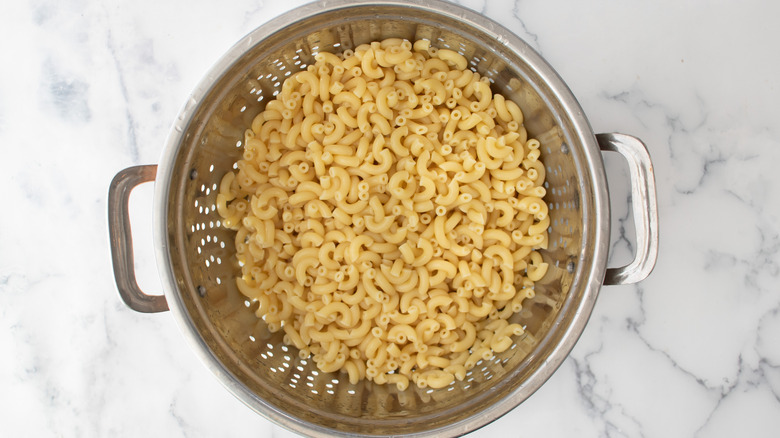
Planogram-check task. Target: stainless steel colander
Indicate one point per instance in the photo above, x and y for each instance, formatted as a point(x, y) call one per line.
point(195, 254)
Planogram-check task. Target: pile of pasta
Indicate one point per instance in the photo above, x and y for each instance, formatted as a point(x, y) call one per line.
point(388, 214)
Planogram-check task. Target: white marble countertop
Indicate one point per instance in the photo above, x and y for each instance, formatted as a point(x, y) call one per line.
point(90, 87)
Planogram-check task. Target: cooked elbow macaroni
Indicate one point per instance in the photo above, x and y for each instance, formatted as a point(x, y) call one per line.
point(388, 210)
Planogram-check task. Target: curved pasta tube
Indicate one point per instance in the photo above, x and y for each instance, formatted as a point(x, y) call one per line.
point(318, 209)
point(507, 174)
point(351, 279)
point(328, 58)
point(379, 226)
point(379, 124)
point(539, 227)
point(396, 143)
point(438, 301)
point(369, 65)
point(482, 91)
point(354, 247)
point(501, 252)
point(499, 150)
point(476, 238)
point(433, 65)
point(502, 111)
point(476, 213)
point(260, 203)
point(332, 311)
point(505, 218)
point(428, 190)
point(307, 126)
point(451, 56)
point(534, 206)
point(365, 110)
point(453, 190)
point(482, 310)
point(405, 89)
point(484, 156)
point(410, 317)
point(410, 284)
point(348, 100)
point(425, 255)
point(438, 90)
point(401, 334)
point(515, 111)
point(402, 185)
point(339, 128)
point(443, 270)
point(309, 78)
point(382, 102)
point(472, 176)
point(344, 182)
point(384, 161)
point(329, 367)
point(537, 268)
point(440, 233)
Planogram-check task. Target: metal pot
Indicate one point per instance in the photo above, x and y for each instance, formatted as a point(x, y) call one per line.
point(194, 252)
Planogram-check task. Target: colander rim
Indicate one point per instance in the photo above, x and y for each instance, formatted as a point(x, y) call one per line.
point(593, 278)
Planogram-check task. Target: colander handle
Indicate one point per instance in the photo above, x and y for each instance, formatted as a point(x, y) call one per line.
point(644, 203)
point(122, 240)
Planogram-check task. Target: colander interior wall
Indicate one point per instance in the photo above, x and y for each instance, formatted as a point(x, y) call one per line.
point(279, 383)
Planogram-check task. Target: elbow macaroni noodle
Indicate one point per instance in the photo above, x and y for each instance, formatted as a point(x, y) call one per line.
point(388, 209)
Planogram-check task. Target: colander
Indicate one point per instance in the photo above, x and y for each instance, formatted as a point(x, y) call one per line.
point(195, 253)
